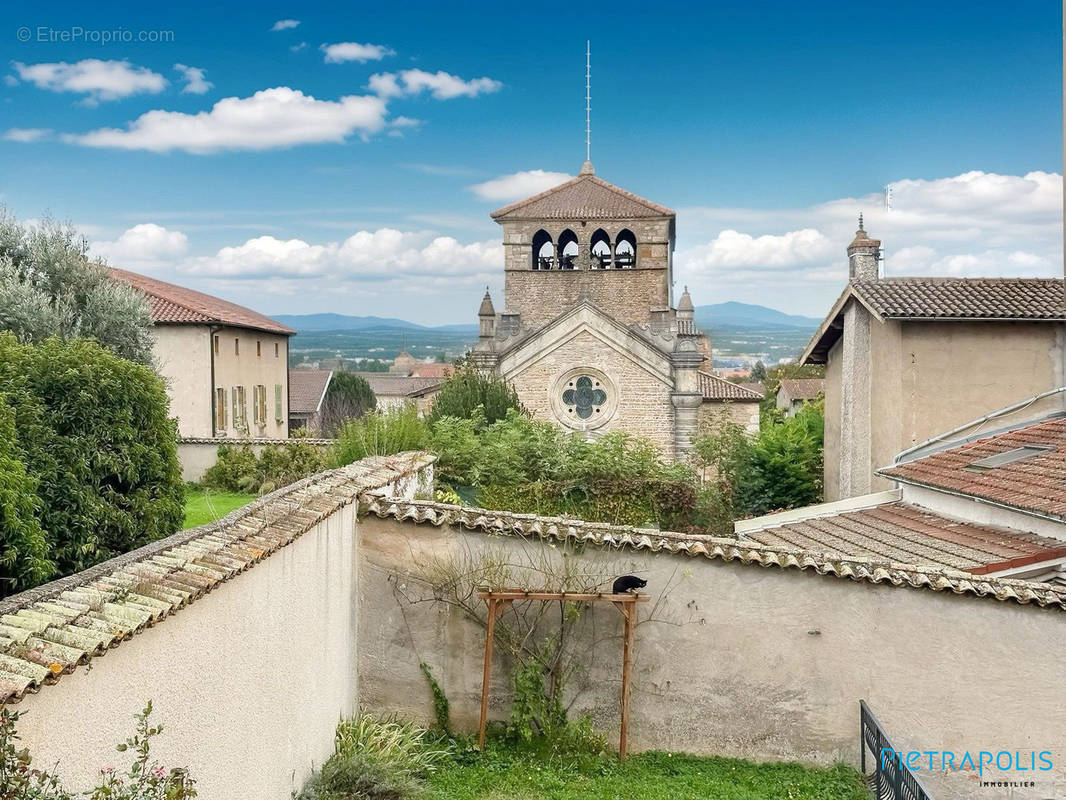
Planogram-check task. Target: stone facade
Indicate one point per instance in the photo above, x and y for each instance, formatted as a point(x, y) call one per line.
point(588, 335)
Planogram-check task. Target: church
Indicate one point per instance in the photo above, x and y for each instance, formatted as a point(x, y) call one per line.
point(589, 335)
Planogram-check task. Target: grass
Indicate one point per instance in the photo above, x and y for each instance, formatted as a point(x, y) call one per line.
point(503, 774)
point(203, 506)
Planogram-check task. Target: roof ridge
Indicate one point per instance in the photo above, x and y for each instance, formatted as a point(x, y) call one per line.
point(596, 180)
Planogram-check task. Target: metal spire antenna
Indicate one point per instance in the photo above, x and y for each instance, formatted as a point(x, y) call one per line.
point(588, 100)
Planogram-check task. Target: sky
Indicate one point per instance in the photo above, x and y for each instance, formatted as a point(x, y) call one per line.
point(305, 157)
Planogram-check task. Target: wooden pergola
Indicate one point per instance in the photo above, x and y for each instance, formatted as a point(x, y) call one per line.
point(626, 604)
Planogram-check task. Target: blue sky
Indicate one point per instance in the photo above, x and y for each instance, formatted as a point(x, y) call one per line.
point(767, 126)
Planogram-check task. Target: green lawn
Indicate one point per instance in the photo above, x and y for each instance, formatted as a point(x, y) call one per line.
point(502, 775)
point(203, 506)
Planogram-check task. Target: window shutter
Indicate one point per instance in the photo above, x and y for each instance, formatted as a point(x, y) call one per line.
point(234, 416)
point(277, 403)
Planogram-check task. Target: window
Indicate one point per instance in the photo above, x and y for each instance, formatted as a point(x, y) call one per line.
point(240, 410)
point(236, 346)
point(1008, 457)
point(216, 345)
point(259, 404)
point(277, 350)
point(258, 348)
point(543, 250)
point(277, 403)
point(584, 397)
point(220, 407)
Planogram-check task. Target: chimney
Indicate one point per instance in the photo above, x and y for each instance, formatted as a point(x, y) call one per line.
point(486, 317)
point(864, 254)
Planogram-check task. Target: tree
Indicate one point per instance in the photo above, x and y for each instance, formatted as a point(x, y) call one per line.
point(780, 468)
point(467, 388)
point(49, 286)
point(758, 372)
point(92, 431)
point(348, 397)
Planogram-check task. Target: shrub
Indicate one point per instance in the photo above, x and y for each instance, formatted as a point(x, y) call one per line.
point(238, 469)
point(467, 389)
point(403, 745)
point(380, 433)
point(355, 776)
point(375, 759)
point(93, 432)
point(531, 466)
point(24, 561)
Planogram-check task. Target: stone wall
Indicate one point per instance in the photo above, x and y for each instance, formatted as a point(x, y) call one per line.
point(642, 406)
point(625, 294)
point(733, 659)
point(744, 414)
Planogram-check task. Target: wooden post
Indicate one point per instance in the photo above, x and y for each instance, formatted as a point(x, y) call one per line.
point(489, 628)
point(628, 610)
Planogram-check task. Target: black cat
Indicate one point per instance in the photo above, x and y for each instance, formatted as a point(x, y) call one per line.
point(628, 583)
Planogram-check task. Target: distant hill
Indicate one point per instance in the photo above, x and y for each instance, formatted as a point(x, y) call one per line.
point(743, 315)
point(311, 323)
point(746, 315)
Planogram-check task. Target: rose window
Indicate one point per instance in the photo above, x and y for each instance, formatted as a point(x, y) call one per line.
point(584, 397)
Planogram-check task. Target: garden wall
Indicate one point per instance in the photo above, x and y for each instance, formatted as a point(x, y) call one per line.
point(197, 456)
point(759, 663)
point(250, 679)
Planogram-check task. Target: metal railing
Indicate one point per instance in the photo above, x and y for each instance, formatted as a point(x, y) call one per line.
point(890, 778)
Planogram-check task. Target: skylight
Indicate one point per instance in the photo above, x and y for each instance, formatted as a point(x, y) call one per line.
point(1008, 457)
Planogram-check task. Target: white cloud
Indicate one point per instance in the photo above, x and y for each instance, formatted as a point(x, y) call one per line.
point(976, 224)
point(26, 134)
point(734, 249)
point(442, 85)
point(195, 80)
point(385, 254)
point(518, 185)
point(341, 52)
point(143, 246)
point(98, 80)
point(269, 119)
point(296, 48)
point(285, 24)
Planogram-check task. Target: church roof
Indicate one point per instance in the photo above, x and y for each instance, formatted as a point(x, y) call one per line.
point(583, 197)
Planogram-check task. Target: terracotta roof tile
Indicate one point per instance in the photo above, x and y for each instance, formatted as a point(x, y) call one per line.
point(1036, 484)
point(399, 385)
point(803, 388)
point(172, 304)
point(714, 388)
point(584, 197)
point(49, 631)
point(965, 298)
point(907, 534)
point(307, 389)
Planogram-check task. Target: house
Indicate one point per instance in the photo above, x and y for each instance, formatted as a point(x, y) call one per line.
point(907, 358)
point(992, 504)
point(792, 393)
point(225, 366)
point(589, 335)
point(307, 391)
point(396, 391)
